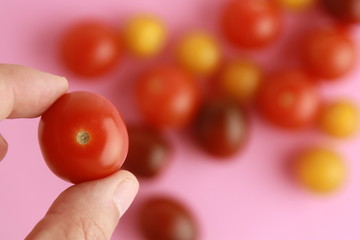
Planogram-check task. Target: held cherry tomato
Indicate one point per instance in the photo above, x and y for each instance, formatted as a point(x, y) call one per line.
point(221, 128)
point(145, 35)
point(288, 99)
point(167, 97)
point(240, 80)
point(162, 218)
point(339, 119)
point(149, 152)
point(198, 53)
point(251, 23)
point(328, 53)
point(90, 49)
point(83, 137)
point(320, 170)
point(344, 10)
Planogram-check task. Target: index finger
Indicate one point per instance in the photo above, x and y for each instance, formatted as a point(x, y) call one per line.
point(27, 93)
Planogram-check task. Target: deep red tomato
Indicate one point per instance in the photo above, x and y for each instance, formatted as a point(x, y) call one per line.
point(288, 99)
point(90, 49)
point(167, 96)
point(344, 10)
point(83, 137)
point(251, 23)
point(221, 128)
point(149, 152)
point(328, 53)
point(162, 218)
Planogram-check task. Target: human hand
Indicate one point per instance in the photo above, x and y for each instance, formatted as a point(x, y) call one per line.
point(89, 210)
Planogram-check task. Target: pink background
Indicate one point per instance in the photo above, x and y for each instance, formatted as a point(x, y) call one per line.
point(249, 197)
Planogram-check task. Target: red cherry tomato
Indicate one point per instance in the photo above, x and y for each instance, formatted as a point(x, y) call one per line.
point(149, 152)
point(90, 49)
point(288, 99)
point(251, 23)
point(167, 96)
point(162, 218)
point(328, 53)
point(83, 137)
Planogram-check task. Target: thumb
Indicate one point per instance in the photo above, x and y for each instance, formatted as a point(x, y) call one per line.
point(89, 210)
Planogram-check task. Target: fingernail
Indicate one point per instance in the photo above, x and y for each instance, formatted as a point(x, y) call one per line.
point(125, 194)
point(3, 147)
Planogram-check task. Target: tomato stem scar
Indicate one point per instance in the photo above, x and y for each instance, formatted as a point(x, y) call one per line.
point(83, 137)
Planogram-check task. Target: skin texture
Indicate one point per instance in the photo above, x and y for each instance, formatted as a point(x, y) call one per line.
point(86, 211)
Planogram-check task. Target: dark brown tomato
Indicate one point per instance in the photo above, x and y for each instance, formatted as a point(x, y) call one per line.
point(149, 152)
point(347, 11)
point(221, 128)
point(162, 218)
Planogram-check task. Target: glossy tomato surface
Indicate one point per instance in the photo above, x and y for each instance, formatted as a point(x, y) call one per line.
point(167, 96)
point(344, 10)
point(90, 49)
point(221, 128)
point(328, 53)
point(162, 218)
point(149, 151)
point(251, 23)
point(288, 99)
point(83, 137)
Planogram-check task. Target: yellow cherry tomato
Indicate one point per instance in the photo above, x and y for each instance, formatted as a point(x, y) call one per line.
point(339, 119)
point(320, 170)
point(296, 4)
point(199, 53)
point(240, 80)
point(145, 35)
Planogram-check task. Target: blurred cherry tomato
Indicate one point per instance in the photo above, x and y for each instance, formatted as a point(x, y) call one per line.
point(149, 152)
point(199, 53)
point(320, 170)
point(251, 23)
point(240, 80)
point(288, 99)
point(221, 128)
point(328, 53)
point(167, 96)
point(162, 218)
point(145, 35)
point(343, 10)
point(90, 49)
point(297, 4)
point(339, 119)
point(83, 137)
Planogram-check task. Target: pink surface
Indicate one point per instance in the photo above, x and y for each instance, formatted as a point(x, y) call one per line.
point(249, 197)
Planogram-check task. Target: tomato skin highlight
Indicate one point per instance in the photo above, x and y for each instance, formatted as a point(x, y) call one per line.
point(167, 96)
point(251, 23)
point(90, 49)
point(77, 157)
point(288, 99)
point(328, 54)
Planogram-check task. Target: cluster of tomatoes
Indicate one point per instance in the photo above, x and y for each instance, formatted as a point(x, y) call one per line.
point(171, 96)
